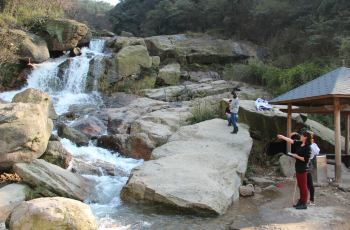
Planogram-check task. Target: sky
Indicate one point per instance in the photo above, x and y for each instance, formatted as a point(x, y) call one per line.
point(112, 2)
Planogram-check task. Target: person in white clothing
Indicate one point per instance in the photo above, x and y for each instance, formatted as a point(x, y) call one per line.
point(315, 150)
point(234, 108)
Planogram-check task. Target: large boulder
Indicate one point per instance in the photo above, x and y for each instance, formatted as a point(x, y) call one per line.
point(25, 130)
point(169, 74)
point(10, 197)
point(56, 154)
point(36, 97)
point(51, 180)
point(90, 126)
point(64, 34)
point(265, 125)
point(287, 165)
point(161, 124)
point(131, 59)
point(120, 69)
point(198, 170)
point(52, 213)
point(31, 46)
point(137, 146)
point(202, 49)
point(72, 134)
point(117, 43)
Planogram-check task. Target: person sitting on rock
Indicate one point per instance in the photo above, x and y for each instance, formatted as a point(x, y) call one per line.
point(234, 112)
point(228, 114)
point(31, 64)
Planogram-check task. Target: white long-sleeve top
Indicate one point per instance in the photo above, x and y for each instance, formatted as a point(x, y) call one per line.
point(234, 107)
point(315, 150)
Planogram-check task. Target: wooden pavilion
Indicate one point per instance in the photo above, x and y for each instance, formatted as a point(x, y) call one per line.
point(327, 94)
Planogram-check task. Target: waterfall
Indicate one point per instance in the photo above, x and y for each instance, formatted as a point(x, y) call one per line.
point(68, 89)
point(64, 79)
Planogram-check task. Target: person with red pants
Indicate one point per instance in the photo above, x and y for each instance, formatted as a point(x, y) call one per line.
point(301, 156)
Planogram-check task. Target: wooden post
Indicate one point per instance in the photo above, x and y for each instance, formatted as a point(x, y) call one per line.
point(337, 139)
point(347, 134)
point(289, 127)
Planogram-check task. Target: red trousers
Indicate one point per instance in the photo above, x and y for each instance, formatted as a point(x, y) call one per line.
point(302, 184)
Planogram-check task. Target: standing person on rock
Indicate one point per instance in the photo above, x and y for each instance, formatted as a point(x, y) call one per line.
point(234, 108)
point(302, 156)
point(315, 150)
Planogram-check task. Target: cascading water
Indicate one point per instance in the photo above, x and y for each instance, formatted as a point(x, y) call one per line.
point(65, 79)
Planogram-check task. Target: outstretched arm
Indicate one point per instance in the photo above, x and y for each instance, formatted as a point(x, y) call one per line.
point(287, 139)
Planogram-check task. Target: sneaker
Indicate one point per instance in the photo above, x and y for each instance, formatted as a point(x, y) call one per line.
point(301, 206)
point(312, 203)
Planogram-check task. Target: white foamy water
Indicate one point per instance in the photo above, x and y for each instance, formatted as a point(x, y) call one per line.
point(68, 87)
point(108, 187)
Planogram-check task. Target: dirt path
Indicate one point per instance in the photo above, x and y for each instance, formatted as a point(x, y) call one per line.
point(274, 211)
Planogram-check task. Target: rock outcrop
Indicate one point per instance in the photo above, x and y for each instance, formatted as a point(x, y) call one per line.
point(10, 197)
point(265, 125)
point(147, 132)
point(169, 74)
point(201, 49)
point(31, 46)
point(51, 180)
point(120, 119)
point(188, 92)
point(198, 170)
point(52, 213)
point(131, 59)
point(64, 34)
point(124, 68)
point(25, 130)
point(56, 154)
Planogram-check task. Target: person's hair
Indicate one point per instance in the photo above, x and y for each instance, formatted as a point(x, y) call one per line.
point(234, 95)
point(295, 136)
point(308, 137)
point(312, 136)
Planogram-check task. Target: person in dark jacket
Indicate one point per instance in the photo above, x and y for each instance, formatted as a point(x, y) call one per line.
point(302, 157)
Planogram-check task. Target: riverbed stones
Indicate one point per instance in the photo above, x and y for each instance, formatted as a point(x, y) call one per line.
point(56, 154)
point(91, 126)
point(10, 197)
point(25, 130)
point(51, 180)
point(198, 170)
point(52, 213)
point(72, 134)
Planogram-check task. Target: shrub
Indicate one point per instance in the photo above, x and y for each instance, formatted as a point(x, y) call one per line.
point(202, 111)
